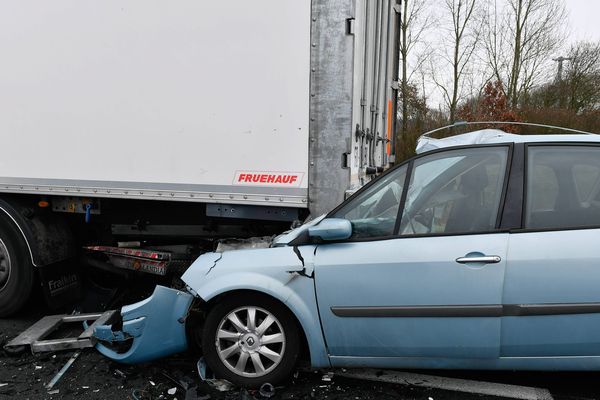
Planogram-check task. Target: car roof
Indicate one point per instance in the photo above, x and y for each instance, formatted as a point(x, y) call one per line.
point(491, 136)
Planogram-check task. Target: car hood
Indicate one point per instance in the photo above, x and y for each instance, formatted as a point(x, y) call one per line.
point(278, 263)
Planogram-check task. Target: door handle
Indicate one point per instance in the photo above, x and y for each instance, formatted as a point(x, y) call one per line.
point(479, 259)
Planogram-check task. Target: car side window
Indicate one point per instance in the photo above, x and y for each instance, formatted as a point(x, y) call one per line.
point(563, 187)
point(373, 212)
point(456, 191)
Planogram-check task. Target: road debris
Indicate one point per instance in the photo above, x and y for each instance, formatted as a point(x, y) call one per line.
point(222, 385)
point(62, 371)
point(327, 377)
point(245, 395)
point(267, 390)
point(119, 374)
point(172, 391)
point(35, 336)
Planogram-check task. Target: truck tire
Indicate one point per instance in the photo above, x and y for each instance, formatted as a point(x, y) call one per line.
point(16, 269)
point(269, 349)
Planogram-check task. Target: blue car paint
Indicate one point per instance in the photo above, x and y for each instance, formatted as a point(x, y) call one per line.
point(403, 272)
point(271, 271)
point(152, 325)
point(546, 268)
point(331, 229)
point(502, 363)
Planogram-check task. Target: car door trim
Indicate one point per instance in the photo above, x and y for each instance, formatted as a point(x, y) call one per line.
point(491, 310)
point(483, 310)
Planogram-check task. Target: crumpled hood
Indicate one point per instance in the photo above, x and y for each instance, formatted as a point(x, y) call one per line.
point(277, 263)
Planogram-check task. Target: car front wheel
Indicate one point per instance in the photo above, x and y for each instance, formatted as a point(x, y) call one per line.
point(250, 340)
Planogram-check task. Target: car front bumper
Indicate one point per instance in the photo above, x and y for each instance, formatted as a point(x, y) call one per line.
point(154, 326)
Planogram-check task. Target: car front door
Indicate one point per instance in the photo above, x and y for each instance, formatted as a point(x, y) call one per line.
point(422, 274)
point(552, 283)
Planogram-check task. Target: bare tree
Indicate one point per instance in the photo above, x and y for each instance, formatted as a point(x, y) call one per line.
point(415, 20)
point(520, 38)
point(583, 76)
point(459, 43)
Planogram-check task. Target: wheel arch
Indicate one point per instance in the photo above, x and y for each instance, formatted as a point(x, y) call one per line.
point(305, 314)
point(46, 236)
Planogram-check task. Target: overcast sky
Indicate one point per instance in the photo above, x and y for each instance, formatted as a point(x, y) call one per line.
point(583, 24)
point(583, 15)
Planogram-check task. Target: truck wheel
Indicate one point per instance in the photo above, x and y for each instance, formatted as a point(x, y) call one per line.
point(16, 270)
point(250, 340)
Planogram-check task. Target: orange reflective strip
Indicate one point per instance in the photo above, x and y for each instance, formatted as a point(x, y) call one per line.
point(389, 128)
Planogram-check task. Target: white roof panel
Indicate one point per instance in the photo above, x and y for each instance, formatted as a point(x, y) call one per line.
point(489, 136)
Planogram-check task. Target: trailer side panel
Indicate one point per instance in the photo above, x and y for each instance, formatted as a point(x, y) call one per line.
point(189, 100)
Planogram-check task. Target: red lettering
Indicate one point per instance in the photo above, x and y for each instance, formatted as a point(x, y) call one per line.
point(268, 178)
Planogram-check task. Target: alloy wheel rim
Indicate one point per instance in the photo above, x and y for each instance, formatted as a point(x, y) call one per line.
point(4, 265)
point(250, 341)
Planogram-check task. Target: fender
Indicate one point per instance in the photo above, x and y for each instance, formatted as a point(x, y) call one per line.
point(47, 237)
point(285, 289)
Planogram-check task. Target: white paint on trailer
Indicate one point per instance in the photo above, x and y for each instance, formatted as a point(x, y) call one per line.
point(184, 92)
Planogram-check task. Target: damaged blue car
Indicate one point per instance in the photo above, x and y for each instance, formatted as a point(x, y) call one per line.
point(478, 253)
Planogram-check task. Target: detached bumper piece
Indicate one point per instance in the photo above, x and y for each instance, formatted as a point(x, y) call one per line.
point(150, 329)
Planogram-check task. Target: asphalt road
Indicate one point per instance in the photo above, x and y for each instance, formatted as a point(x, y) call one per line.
point(94, 377)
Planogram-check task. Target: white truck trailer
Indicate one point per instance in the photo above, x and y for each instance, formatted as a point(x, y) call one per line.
point(170, 125)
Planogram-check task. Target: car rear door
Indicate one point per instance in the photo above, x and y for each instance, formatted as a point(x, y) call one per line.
point(428, 284)
point(552, 284)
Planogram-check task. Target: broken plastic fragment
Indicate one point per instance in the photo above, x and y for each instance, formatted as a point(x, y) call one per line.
point(222, 385)
point(151, 326)
point(62, 371)
point(327, 377)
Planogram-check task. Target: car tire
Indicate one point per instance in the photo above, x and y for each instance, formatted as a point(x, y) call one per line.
point(268, 347)
point(16, 269)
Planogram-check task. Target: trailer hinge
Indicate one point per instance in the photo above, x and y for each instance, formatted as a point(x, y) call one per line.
point(395, 85)
point(350, 26)
point(363, 102)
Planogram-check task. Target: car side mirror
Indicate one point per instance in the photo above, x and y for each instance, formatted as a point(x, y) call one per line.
point(331, 229)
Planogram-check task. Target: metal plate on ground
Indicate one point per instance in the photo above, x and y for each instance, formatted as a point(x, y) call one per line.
point(35, 335)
